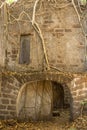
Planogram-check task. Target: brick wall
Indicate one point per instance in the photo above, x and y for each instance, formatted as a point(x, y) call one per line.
point(61, 32)
point(9, 90)
point(65, 48)
point(11, 86)
point(79, 92)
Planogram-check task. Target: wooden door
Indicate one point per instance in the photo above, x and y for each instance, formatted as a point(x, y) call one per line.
point(37, 101)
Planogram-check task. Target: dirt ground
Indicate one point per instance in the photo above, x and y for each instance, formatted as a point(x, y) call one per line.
point(57, 123)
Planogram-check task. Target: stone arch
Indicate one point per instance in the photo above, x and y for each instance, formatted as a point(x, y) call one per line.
point(75, 86)
point(55, 78)
point(19, 94)
point(12, 85)
point(67, 86)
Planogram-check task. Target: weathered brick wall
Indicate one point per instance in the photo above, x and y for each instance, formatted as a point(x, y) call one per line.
point(11, 86)
point(65, 48)
point(61, 32)
point(9, 90)
point(63, 39)
point(79, 92)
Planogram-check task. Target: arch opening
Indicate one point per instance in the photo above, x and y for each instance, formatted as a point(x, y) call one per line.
point(61, 100)
point(42, 100)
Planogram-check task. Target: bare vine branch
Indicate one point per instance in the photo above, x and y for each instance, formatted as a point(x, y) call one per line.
point(79, 18)
point(34, 11)
point(36, 26)
point(2, 5)
point(38, 30)
point(76, 10)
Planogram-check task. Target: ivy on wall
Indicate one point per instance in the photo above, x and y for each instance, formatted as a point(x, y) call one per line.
point(10, 1)
point(83, 2)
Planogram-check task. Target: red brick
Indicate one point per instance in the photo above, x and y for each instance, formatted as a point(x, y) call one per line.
point(58, 30)
point(4, 112)
point(8, 96)
point(13, 113)
point(58, 35)
point(76, 26)
point(2, 106)
point(81, 93)
point(68, 30)
point(5, 90)
point(13, 102)
point(11, 108)
point(74, 93)
point(13, 56)
point(5, 101)
point(47, 21)
point(80, 46)
point(80, 81)
point(14, 51)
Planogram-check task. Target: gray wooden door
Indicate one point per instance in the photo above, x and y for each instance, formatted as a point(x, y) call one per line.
point(37, 101)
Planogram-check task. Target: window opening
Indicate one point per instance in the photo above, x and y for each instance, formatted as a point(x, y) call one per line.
point(24, 57)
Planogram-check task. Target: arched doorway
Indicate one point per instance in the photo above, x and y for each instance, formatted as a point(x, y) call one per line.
point(39, 100)
point(61, 100)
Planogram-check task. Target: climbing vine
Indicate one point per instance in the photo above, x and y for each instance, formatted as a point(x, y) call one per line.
point(10, 1)
point(83, 2)
point(34, 23)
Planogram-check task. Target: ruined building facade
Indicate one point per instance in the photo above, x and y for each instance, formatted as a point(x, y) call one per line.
point(43, 59)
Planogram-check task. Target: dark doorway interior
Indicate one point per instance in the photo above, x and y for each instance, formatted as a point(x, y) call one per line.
point(58, 96)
